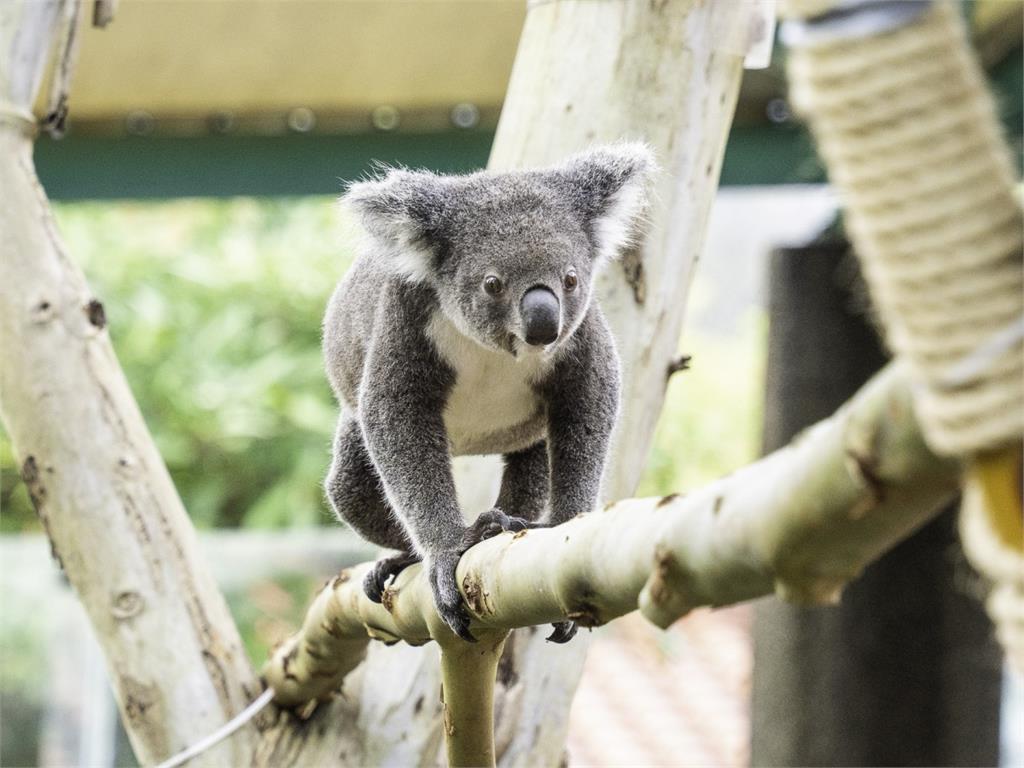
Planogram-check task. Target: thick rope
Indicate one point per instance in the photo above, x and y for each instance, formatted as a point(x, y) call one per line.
point(909, 133)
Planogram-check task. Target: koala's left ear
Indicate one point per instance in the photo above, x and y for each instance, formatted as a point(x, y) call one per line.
point(403, 211)
point(608, 186)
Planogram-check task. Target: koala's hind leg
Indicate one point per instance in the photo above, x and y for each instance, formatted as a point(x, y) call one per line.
point(524, 483)
point(385, 569)
point(354, 490)
point(525, 487)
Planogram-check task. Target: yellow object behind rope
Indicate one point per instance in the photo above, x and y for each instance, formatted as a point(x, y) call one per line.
point(998, 478)
point(992, 532)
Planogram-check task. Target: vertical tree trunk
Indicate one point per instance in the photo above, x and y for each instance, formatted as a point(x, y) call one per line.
point(115, 522)
point(904, 671)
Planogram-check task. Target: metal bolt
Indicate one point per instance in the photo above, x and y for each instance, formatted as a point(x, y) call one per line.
point(138, 122)
point(222, 122)
point(385, 118)
point(301, 120)
point(777, 111)
point(465, 115)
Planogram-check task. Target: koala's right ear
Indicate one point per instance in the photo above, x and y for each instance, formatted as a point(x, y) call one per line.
point(403, 211)
point(608, 186)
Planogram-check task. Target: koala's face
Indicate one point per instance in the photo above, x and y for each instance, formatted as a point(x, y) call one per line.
point(511, 256)
point(518, 264)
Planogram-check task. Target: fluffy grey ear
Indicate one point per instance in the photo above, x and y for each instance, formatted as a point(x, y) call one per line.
point(608, 186)
point(402, 211)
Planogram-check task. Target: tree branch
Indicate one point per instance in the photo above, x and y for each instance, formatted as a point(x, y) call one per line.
point(468, 672)
point(803, 521)
point(115, 522)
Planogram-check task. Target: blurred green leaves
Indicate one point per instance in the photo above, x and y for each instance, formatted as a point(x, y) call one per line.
point(214, 307)
point(711, 421)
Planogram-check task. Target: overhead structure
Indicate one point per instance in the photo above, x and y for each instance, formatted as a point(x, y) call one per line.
point(300, 95)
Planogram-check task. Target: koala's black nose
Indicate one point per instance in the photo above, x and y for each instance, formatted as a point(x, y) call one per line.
point(539, 310)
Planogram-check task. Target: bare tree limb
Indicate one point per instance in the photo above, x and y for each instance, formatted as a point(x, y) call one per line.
point(801, 522)
point(114, 520)
point(468, 672)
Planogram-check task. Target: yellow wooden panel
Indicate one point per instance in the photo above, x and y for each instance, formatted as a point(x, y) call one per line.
point(196, 57)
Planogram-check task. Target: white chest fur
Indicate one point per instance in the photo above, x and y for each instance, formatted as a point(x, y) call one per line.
point(493, 407)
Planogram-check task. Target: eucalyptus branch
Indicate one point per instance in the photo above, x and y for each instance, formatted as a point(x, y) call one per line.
point(802, 522)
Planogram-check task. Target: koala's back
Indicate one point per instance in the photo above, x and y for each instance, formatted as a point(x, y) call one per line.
point(349, 325)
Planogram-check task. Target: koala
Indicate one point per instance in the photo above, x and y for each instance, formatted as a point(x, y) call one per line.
point(467, 325)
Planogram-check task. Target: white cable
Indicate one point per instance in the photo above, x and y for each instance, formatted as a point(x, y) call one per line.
point(851, 20)
point(221, 733)
point(970, 367)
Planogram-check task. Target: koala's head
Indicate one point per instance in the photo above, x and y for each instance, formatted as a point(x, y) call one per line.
point(512, 256)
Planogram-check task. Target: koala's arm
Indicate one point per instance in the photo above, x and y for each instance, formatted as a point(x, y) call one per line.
point(583, 400)
point(401, 403)
point(402, 397)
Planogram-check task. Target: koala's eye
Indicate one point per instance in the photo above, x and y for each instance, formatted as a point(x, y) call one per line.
point(570, 281)
point(493, 285)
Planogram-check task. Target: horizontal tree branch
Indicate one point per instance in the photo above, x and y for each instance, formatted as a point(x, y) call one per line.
point(801, 522)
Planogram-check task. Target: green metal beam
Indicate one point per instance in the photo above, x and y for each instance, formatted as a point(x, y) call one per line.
point(91, 167)
point(95, 167)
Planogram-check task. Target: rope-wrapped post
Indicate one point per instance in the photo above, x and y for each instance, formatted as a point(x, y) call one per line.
point(909, 133)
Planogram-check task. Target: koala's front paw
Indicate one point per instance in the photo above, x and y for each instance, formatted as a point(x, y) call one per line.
point(447, 598)
point(490, 524)
point(564, 631)
point(384, 569)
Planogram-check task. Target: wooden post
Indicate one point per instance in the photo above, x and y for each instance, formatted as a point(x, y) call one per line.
point(590, 72)
point(906, 632)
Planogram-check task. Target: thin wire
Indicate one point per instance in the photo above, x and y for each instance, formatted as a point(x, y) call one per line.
point(970, 367)
point(221, 733)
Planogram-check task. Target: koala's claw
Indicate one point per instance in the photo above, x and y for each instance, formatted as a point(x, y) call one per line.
point(564, 631)
point(457, 618)
point(490, 524)
point(447, 598)
point(383, 570)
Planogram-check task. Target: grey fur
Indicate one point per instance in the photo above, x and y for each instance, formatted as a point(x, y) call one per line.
point(427, 364)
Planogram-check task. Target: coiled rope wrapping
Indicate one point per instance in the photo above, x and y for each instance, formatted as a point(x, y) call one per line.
point(909, 133)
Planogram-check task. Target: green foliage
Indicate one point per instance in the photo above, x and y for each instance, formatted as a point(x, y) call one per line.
point(710, 424)
point(268, 611)
point(214, 307)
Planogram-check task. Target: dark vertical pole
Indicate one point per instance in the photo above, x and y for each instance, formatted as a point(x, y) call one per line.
point(904, 671)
